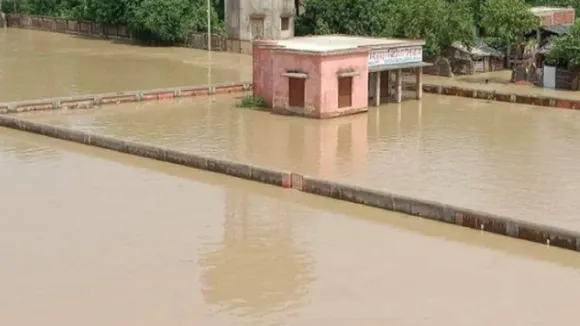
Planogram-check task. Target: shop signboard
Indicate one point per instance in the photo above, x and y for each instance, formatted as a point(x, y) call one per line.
point(394, 56)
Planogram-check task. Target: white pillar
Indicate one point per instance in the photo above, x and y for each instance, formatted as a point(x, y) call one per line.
point(419, 72)
point(378, 88)
point(399, 94)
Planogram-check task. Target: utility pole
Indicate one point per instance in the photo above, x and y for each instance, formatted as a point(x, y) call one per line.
point(209, 25)
point(3, 21)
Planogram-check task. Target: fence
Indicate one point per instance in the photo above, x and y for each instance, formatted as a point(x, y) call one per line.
point(199, 41)
point(219, 42)
point(60, 25)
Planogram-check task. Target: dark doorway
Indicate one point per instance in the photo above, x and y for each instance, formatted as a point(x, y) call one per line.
point(296, 92)
point(344, 92)
point(385, 85)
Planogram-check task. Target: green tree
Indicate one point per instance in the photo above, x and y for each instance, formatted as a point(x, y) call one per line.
point(354, 17)
point(107, 11)
point(508, 20)
point(40, 7)
point(566, 49)
point(168, 21)
point(440, 23)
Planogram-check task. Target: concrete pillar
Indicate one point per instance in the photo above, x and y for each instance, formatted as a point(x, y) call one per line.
point(419, 72)
point(399, 94)
point(378, 88)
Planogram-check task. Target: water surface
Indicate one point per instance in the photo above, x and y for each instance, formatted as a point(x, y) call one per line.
point(94, 237)
point(510, 159)
point(37, 64)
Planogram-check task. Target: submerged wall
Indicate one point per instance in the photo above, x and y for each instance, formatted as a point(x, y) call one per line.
point(95, 100)
point(355, 194)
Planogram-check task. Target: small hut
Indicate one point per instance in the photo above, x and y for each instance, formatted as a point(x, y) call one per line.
point(476, 59)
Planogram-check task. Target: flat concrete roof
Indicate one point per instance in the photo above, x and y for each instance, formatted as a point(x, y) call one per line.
point(331, 43)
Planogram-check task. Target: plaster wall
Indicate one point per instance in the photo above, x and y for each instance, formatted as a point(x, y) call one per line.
point(308, 64)
point(331, 66)
point(263, 74)
point(240, 13)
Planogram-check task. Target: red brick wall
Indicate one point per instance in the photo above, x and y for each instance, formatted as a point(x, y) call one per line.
point(561, 17)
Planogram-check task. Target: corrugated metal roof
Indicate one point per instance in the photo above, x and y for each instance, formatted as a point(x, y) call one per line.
point(479, 49)
point(559, 29)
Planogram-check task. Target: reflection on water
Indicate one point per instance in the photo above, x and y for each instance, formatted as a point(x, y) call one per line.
point(512, 160)
point(93, 237)
point(36, 64)
point(271, 274)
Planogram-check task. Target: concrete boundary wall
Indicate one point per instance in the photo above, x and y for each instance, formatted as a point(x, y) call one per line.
point(90, 101)
point(556, 102)
point(196, 40)
point(355, 194)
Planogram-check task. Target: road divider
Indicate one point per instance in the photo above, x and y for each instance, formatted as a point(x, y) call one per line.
point(482, 221)
point(96, 100)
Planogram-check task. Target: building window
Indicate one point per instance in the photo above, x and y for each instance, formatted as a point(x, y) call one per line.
point(257, 25)
point(296, 92)
point(344, 92)
point(284, 23)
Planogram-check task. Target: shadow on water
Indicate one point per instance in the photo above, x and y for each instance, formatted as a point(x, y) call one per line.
point(396, 220)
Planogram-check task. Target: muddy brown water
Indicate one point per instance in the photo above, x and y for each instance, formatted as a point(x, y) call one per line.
point(514, 160)
point(37, 64)
point(94, 237)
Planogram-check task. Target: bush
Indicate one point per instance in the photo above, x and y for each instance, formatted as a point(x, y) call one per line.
point(168, 22)
point(565, 50)
point(7, 6)
point(252, 101)
point(162, 22)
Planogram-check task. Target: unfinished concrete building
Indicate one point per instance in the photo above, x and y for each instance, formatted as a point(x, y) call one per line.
point(247, 20)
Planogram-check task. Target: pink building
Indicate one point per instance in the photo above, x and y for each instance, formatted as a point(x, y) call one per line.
point(334, 75)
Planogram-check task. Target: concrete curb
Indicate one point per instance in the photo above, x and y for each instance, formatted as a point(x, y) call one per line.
point(562, 103)
point(91, 101)
point(430, 210)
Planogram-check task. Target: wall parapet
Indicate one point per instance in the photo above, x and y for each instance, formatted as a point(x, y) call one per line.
point(492, 95)
point(356, 194)
point(95, 100)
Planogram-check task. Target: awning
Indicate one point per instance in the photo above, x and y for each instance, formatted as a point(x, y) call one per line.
point(400, 66)
point(559, 29)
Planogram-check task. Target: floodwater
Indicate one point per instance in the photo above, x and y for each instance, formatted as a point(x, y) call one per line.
point(514, 160)
point(93, 237)
point(37, 64)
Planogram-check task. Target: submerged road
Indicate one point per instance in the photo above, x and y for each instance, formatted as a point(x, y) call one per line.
point(93, 237)
point(509, 159)
point(37, 64)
